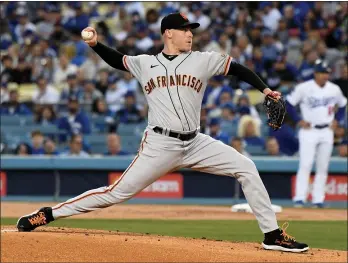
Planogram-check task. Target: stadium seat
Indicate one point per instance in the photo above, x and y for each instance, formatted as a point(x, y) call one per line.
point(131, 129)
point(255, 150)
point(130, 143)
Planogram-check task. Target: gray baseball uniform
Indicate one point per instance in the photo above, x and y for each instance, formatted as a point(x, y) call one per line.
point(174, 91)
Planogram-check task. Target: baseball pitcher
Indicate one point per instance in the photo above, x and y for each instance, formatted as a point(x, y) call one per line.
point(174, 82)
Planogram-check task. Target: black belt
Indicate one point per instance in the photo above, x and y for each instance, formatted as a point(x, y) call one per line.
point(183, 137)
point(321, 126)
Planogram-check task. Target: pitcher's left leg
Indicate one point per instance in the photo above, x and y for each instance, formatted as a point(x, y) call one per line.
point(211, 156)
point(324, 152)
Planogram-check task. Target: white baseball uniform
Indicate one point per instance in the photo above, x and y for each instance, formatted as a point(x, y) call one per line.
point(174, 92)
point(317, 105)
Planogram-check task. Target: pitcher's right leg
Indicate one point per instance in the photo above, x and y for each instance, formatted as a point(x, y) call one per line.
point(150, 163)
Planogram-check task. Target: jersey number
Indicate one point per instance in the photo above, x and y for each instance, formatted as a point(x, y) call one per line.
point(331, 110)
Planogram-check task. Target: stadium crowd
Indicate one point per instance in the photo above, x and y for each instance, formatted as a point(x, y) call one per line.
point(50, 75)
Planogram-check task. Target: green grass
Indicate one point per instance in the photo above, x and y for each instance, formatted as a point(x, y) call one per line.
point(318, 234)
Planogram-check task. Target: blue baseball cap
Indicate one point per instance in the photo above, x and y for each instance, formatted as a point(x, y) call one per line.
point(214, 121)
point(322, 67)
point(230, 106)
point(244, 110)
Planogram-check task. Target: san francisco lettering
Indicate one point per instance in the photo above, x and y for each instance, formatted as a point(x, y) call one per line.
point(173, 81)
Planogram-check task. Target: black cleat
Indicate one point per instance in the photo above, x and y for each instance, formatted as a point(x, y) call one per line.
point(280, 241)
point(39, 218)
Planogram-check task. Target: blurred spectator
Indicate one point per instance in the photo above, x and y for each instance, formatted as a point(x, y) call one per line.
point(6, 38)
point(286, 137)
point(23, 24)
point(13, 106)
point(334, 34)
point(144, 42)
point(37, 140)
point(103, 82)
point(157, 45)
point(269, 50)
point(228, 114)
point(255, 35)
point(78, 21)
point(72, 89)
point(128, 83)
point(46, 50)
point(4, 94)
point(80, 47)
point(114, 96)
point(152, 19)
point(100, 108)
point(135, 7)
point(62, 69)
point(281, 71)
point(329, 55)
point(45, 93)
point(50, 148)
point(291, 20)
point(46, 115)
point(75, 148)
point(213, 91)
point(271, 16)
point(239, 145)
point(129, 46)
point(342, 82)
point(225, 44)
point(306, 70)
point(90, 94)
point(215, 131)
point(272, 147)
point(131, 112)
point(7, 69)
point(249, 130)
point(343, 149)
point(198, 16)
point(339, 134)
point(22, 73)
point(23, 149)
point(244, 101)
point(114, 145)
point(75, 122)
point(246, 49)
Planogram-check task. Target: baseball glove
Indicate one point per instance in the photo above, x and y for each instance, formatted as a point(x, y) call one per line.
point(275, 109)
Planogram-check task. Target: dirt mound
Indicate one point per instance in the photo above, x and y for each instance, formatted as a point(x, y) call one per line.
point(50, 244)
point(187, 212)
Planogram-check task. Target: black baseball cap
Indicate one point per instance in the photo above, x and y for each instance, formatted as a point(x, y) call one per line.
point(176, 21)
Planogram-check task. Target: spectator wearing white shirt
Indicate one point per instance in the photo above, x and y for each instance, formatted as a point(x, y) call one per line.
point(199, 17)
point(135, 7)
point(128, 82)
point(62, 69)
point(45, 93)
point(75, 149)
point(23, 24)
point(144, 42)
point(114, 96)
point(271, 16)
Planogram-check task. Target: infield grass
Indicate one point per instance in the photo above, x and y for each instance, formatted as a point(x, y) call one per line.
point(317, 234)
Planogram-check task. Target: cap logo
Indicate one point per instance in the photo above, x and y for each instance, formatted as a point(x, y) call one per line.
point(183, 16)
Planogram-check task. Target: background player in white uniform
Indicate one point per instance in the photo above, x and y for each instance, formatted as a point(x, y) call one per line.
point(317, 99)
point(174, 82)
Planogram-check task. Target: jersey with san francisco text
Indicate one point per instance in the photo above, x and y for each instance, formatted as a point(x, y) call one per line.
point(174, 89)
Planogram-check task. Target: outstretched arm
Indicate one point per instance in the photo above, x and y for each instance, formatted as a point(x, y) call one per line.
point(111, 56)
point(248, 76)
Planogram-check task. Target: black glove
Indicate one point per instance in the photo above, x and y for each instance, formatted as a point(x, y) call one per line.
point(275, 109)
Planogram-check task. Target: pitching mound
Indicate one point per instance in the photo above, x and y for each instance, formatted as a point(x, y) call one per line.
point(50, 244)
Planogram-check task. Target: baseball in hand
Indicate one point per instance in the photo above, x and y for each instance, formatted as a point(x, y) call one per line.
point(87, 35)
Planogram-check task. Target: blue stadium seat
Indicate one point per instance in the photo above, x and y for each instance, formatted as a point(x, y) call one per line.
point(132, 129)
point(130, 143)
point(255, 150)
